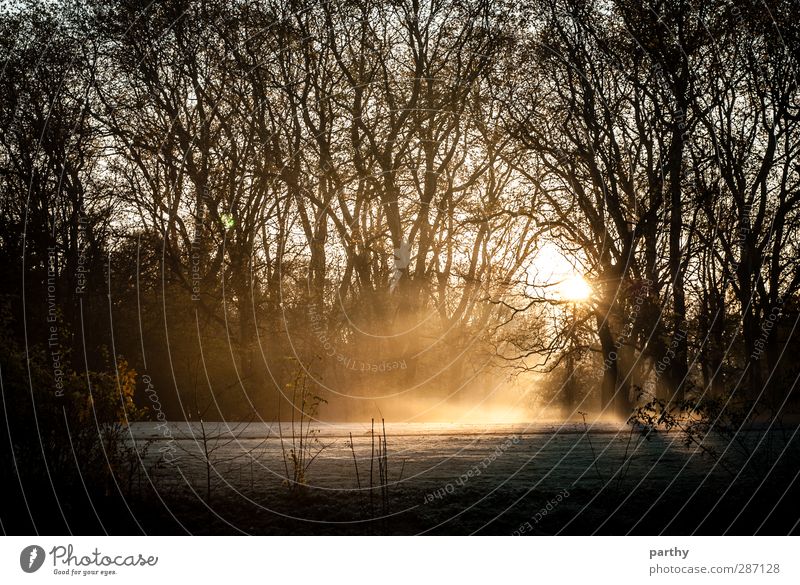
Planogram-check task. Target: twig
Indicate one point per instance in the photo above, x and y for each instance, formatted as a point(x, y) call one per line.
point(355, 462)
point(589, 438)
point(385, 470)
point(371, 465)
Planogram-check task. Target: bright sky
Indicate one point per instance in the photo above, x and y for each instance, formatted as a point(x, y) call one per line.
point(550, 267)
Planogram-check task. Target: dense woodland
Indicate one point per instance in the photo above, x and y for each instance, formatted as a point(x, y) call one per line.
point(204, 202)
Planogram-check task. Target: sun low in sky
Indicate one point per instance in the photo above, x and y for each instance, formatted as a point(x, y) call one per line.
point(551, 269)
point(574, 289)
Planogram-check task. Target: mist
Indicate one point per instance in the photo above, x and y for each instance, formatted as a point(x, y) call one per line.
point(275, 258)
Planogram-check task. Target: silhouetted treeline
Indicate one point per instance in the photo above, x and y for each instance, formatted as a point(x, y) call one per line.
point(224, 193)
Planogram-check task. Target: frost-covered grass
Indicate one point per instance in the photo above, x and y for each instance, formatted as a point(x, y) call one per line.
point(449, 478)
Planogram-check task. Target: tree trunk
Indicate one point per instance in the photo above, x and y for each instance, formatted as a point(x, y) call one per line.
point(678, 368)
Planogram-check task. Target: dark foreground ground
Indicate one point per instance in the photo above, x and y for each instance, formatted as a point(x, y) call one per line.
point(509, 480)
